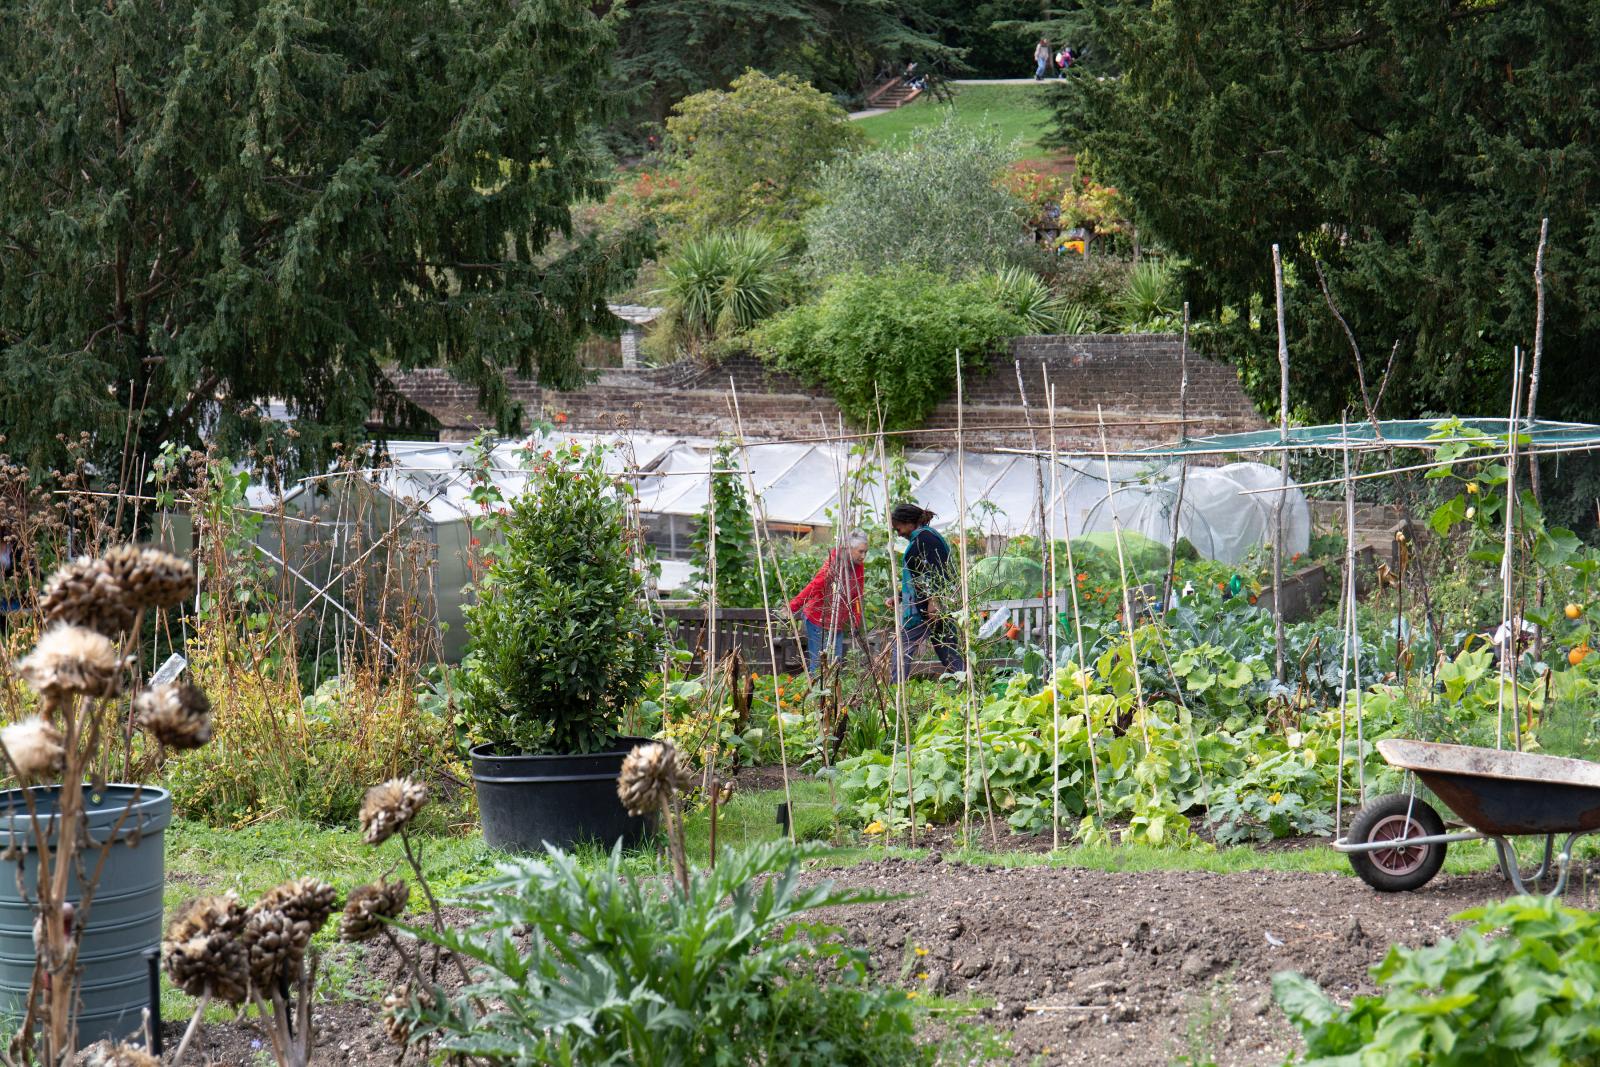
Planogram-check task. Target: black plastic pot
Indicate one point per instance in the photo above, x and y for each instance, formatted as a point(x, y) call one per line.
point(526, 802)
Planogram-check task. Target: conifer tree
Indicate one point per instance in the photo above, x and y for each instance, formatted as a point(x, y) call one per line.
point(207, 205)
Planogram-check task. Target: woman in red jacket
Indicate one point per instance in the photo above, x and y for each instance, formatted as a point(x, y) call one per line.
point(830, 603)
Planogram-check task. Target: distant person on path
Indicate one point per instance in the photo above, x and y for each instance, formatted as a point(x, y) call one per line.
point(1041, 58)
point(1063, 61)
point(925, 576)
point(830, 603)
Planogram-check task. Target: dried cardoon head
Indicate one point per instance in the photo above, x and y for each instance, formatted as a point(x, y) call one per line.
point(389, 806)
point(105, 1054)
point(307, 900)
point(84, 592)
point(72, 659)
point(203, 950)
point(650, 776)
point(276, 947)
point(395, 1003)
point(150, 578)
point(35, 748)
point(369, 906)
point(178, 715)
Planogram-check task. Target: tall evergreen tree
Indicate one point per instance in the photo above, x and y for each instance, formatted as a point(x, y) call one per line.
point(1409, 149)
point(209, 204)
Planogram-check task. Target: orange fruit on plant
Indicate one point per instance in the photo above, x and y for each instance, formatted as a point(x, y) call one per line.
point(1013, 631)
point(1574, 610)
point(1578, 655)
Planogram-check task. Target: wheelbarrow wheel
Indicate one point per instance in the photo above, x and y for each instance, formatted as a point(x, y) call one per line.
point(1396, 817)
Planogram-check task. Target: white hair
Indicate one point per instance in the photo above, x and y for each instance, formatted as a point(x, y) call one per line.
point(856, 537)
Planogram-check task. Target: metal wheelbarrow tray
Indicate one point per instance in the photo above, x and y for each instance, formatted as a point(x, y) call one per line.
point(1398, 842)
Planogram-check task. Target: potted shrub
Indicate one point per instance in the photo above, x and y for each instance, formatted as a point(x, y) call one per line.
point(561, 646)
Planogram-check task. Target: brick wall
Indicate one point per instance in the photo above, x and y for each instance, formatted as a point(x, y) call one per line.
point(1133, 379)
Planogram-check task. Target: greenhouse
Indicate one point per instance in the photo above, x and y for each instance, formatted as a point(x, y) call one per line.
point(423, 498)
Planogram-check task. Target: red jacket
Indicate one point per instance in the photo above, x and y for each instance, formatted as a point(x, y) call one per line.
point(831, 603)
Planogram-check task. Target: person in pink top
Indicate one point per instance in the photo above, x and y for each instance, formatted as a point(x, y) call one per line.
point(830, 603)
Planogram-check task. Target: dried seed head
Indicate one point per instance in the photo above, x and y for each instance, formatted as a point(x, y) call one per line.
point(35, 748)
point(304, 900)
point(72, 659)
point(105, 1054)
point(389, 806)
point(650, 776)
point(85, 593)
point(275, 945)
point(179, 715)
point(369, 906)
point(396, 1004)
point(203, 950)
point(207, 915)
point(148, 577)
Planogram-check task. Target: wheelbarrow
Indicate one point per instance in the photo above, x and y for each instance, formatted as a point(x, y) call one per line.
point(1397, 842)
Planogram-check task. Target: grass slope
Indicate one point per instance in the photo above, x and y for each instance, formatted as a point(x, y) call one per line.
point(1019, 112)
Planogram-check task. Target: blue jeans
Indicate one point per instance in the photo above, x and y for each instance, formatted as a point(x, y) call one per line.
point(944, 646)
point(1039, 72)
point(817, 643)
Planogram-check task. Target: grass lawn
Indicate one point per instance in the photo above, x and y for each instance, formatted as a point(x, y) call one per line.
point(1019, 112)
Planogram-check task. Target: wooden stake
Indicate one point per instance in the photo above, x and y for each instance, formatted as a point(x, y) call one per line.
point(1538, 355)
point(1183, 463)
point(1077, 615)
point(1508, 556)
point(1283, 468)
point(766, 606)
point(1130, 619)
point(1052, 582)
point(1352, 649)
point(900, 670)
point(974, 727)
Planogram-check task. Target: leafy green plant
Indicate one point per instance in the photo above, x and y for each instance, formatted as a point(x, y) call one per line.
point(751, 155)
point(1149, 299)
point(561, 640)
point(888, 341)
point(936, 204)
point(738, 579)
point(623, 969)
point(1026, 296)
point(1518, 988)
point(720, 285)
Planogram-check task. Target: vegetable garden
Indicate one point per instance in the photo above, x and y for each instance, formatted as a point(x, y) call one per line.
point(1141, 725)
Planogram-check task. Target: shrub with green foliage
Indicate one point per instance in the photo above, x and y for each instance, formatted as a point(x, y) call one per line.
point(935, 204)
point(889, 339)
point(751, 155)
point(717, 287)
point(561, 640)
point(623, 969)
point(738, 579)
point(1521, 987)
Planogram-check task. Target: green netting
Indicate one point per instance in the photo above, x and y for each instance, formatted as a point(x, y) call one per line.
point(1535, 436)
point(1006, 578)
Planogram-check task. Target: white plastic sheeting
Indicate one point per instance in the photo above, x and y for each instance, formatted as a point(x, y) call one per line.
point(429, 485)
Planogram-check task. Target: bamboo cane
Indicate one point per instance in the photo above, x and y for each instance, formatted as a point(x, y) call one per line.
point(1283, 468)
point(766, 605)
point(974, 727)
point(1508, 654)
point(1079, 677)
point(901, 668)
point(1183, 466)
point(1130, 621)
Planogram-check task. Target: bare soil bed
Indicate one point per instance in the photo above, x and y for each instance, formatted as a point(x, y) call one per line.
point(1135, 968)
point(1081, 966)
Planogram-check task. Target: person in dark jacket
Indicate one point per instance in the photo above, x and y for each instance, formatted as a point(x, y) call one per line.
point(926, 576)
point(830, 603)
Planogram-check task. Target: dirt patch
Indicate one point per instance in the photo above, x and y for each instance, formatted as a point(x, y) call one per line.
point(1138, 968)
point(758, 779)
point(1082, 967)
